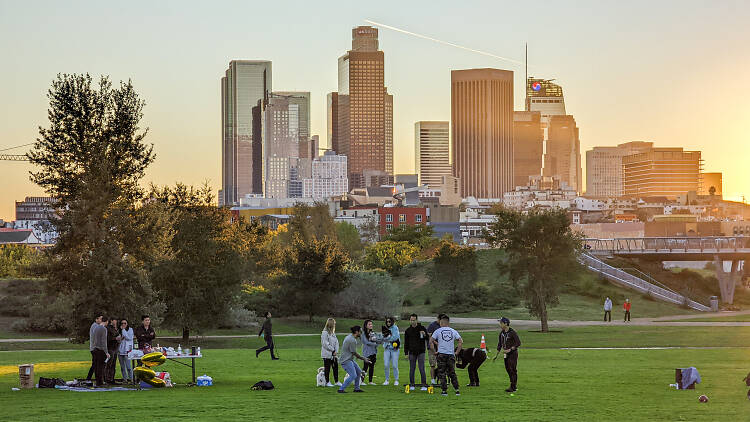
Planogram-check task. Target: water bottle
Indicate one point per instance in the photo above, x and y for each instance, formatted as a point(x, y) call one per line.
point(179, 349)
point(199, 351)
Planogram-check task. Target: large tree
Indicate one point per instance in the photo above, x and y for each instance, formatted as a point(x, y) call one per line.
point(454, 272)
point(540, 251)
point(390, 256)
point(90, 159)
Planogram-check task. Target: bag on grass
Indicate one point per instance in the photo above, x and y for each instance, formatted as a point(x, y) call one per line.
point(747, 382)
point(50, 382)
point(263, 385)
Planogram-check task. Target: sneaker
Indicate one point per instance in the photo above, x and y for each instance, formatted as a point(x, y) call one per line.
point(386, 382)
point(395, 382)
point(433, 382)
point(359, 390)
point(444, 394)
point(274, 358)
point(423, 389)
point(372, 383)
point(458, 393)
point(510, 390)
point(341, 391)
point(257, 353)
point(339, 384)
point(471, 385)
point(329, 385)
point(411, 388)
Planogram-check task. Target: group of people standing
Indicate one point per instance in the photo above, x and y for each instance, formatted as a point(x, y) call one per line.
point(110, 340)
point(608, 310)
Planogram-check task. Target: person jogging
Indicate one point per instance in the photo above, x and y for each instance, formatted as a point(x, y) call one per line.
point(508, 344)
point(267, 329)
point(348, 353)
point(442, 341)
point(473, 357)
point(607, 309)
point(626, 308)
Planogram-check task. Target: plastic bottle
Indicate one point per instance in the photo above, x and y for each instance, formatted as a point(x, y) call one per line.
point(179, 349)
point(199, 351)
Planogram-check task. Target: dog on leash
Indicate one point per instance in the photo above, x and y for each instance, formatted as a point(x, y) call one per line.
point(321, 378)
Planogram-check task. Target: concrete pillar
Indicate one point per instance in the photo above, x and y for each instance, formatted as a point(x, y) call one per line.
point(727, 280)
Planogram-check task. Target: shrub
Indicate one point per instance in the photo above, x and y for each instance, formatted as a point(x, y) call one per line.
point(239, 317)
point(390, 256)
point(407, 302)
point(427, 300)
point(372, 294)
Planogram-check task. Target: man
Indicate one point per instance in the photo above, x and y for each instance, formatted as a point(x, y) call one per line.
point(92, 330)
point(347, 354)
point(474, 357)
point(267, 328)
point(442, 341)
point(98, 347)
point(508, 343)
point(607, 309)
point(626, 307)
point(145, 334)
point(113, 343)
point(434, 325)
point(415, 343)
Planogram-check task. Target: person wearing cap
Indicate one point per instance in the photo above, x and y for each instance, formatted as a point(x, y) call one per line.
point(508, 344)
point(626, 308)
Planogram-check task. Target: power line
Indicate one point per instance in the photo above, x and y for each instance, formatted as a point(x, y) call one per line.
point(17, 146)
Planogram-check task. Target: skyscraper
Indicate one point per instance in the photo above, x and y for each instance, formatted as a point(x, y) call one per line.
point(329, 177)
point(432, 155)
point(281, 149)
point(528, 146)
point(332, 115)
point(545, 97)
point(244, 94)
point(669, 172)
point(604, 168)
point(364, 126)
point(563, 155)
point(482, 128)
point(302, 99)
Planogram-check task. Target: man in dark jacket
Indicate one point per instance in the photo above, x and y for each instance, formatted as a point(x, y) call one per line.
point(113, 344)
point(267, 328)
point(145, 334)
point(474, 357)
point(415, 343)
point(508, 343)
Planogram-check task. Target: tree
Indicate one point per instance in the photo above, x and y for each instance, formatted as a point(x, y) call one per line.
point(390, 256)
point(313, 272)
point(311, 221)
point(454, 272)
point(16, 260)
point(541, 252)
point(419, 236)
point(348, 237)
point(372, 294)
point(90, 159)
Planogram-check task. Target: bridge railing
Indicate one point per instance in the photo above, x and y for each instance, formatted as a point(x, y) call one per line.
point(669, 244)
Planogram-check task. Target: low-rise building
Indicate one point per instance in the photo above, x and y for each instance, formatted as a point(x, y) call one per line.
point(394, 216)
point(19, 237)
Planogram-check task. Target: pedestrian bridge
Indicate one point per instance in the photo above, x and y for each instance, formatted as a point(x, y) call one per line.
point(728, 248)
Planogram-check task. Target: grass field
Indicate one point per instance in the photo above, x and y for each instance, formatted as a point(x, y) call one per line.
point(729, 318)
point(554, 384)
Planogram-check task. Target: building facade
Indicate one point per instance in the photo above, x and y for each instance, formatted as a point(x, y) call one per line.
point(329, 177)
point(244, 94)
point(281, 147)
point(711, 180)
point(668, 172)
point(563, 155)
point(432, 152)
point(35, 213)
point(604, 170)
point(482, 131)
point(528, 146)
point(545, 97)
point(392, 217)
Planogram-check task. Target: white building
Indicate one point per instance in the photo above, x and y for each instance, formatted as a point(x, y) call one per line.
point(542, 191)
point(329, 177)
point(604, 171)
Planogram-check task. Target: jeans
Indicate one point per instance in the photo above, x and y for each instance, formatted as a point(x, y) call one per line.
point(390, 358)
point(125, 368)
point(355, 374)
point(328, 364)
point(413, 361)
point(368, 368)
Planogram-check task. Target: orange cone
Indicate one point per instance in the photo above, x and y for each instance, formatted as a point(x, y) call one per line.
point(483, 344)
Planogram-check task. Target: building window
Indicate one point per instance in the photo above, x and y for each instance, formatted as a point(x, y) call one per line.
point(389, 218)
point(388, 226)
point(402, 218)
point(418, 218)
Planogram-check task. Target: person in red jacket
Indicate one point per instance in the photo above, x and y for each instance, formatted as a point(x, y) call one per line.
point(626, 307)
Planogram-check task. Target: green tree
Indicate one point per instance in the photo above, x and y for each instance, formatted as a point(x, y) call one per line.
point(541, 254)
point(419, 236)
point(390, 256)
point(16, 260)
point(311, 221)
point(90, 159)
point(348, 237)
point(454, 272)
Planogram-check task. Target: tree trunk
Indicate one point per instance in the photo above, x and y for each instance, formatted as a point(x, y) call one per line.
point(185, 334)
point(543, 318)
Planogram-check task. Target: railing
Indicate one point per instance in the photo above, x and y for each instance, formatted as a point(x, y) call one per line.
point(628, 280)
point(670, 244)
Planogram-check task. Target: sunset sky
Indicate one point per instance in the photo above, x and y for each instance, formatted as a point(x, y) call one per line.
point(673, 72)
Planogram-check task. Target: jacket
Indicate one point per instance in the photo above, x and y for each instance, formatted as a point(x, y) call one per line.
point(329, 344)
point(509, 340)
point(413, 343)
point(126, 344)
point(112, 343)
point(267, 328)
point(369, 347)
point(626, 306)
point(395, 335)
point(144, 336)
point(100, 338)
point(608, 304)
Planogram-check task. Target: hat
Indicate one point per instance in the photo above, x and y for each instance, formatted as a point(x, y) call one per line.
point(504, 320)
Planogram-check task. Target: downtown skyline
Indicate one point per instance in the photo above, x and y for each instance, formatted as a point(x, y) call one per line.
point(676, 80)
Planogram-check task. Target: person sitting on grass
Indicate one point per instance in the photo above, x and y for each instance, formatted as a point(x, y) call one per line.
point(348, 353)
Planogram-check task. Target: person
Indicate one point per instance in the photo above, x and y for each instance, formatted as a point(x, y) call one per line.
point(607, 309)
point(369, 349)
point(126, 345)
point(348, 353)
point(415, 343)
point(113, 344)
point(329, 349)
point(267, 329)
point(508, 343)
point(390, 352)
point(626, 307)
point(145, 334)
point(98, 347)
point(474, 357)
point(434, 325)
point(94, 356)
point(443, 341)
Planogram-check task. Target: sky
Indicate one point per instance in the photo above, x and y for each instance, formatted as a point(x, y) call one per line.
point(673, 72)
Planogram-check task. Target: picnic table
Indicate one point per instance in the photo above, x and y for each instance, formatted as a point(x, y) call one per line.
point(174, 358)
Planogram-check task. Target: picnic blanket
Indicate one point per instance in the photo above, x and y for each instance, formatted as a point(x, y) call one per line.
point(91, 389)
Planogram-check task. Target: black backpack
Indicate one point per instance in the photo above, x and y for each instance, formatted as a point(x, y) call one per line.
point(50, 382)
point(263, 385)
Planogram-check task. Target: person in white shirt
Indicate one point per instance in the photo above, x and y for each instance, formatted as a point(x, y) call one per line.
point(126, 346)
point(608, 309)
point(329, 351)
point(442, 342)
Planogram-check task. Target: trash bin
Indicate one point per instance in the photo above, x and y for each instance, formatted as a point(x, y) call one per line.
point(714, 303)
point(26, 375)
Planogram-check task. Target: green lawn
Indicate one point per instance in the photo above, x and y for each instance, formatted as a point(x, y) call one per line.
point(554, 384)
point(729, 318)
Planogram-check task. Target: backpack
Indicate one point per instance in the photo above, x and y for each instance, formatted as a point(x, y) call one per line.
point(50, 382)
point(263, 385)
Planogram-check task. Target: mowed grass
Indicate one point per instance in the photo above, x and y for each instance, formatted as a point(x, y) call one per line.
point(728, 318)
point(554, 384)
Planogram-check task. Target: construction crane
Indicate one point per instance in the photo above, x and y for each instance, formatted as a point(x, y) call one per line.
point(13, 157)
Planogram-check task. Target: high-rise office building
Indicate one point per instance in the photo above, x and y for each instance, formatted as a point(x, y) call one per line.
point(332, 120)
point(545, 97)
point(302, 100)
point(329, 177)
point(364, 109)
point(528, 146)
point(604, 168)
point(563, 155)
point(482, 129)
point(244, 94)
point(432, 152)
point(281, 148)
point(669, 172)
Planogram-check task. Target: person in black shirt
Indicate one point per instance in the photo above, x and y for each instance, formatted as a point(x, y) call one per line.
point(508, 343)
point(431, 355)
point(474, 357)
point(145, 334)
point(268, 336)
point(113, 343)
point(415, 343)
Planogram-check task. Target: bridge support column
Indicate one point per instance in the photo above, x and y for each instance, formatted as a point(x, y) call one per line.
point(727, 280)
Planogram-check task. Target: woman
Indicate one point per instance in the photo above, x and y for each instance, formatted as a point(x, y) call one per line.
point(329, 349)
point(369, 349)
point(126, 345)
point(390, 352)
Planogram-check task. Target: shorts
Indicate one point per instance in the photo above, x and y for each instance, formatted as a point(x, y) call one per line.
point(432, 358)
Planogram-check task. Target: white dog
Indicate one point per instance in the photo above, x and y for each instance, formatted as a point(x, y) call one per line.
point(321, 379)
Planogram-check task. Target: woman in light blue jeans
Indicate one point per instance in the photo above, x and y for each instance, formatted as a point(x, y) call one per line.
point(390, 353)
point(126, 345)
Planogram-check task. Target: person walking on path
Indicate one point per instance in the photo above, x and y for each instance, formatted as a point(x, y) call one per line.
point(369, 349)
point(415, 343)
point(474, 357)
point(607, 309)
point(508, 343)
point(390, 352)
point(329, 351)
point(434, 325)
point(348, 353)
point(626, 308)
point(145, 334)
point(126, 345)
point(268, 336)
point(113, 344)
point(442, 341)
